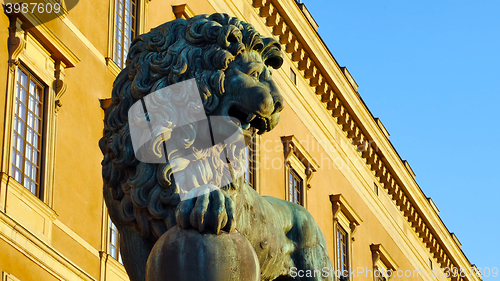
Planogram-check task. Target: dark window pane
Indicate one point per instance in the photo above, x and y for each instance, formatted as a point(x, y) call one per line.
point(342, 250)
point(295, 186)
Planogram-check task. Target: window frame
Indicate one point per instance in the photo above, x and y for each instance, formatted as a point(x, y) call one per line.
point(293, 76)
point(120, 56)
point(140, 28)
point(293, 175)
point(42, 63)
point(376, 189)
point(347, 254)
point(46, 60)
point(294, 165)
point(346, 218)
point(298, 159)
point(31, 76)
point(113, 229)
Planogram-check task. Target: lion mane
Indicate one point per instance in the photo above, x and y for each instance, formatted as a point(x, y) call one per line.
point(201, 47)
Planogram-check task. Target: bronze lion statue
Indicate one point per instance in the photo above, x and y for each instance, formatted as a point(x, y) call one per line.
point(232, 64)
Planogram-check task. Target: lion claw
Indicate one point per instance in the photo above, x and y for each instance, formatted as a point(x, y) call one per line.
point(209, 209)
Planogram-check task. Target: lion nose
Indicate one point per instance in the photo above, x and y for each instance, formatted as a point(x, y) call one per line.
point(279, 103)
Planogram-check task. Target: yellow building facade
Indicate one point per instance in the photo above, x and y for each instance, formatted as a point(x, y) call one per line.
point(328, 153)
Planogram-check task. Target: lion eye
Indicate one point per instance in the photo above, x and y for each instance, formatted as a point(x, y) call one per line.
point(255, 74)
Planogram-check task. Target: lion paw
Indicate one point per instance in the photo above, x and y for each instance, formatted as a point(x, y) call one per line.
point(209, 209)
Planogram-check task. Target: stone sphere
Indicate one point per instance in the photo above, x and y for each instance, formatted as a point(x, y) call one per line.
point(185, 255)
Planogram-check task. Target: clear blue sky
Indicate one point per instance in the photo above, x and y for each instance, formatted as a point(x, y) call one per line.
point(430, 71)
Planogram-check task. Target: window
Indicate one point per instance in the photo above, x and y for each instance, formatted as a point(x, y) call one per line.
point(126, 20)
point(250, 173)
point(299, 170)
point(345, 223)
point(114, 242)
point(342, 255)
point(27, 131)
point(125, 29)
point(293, 76)
point(35, 84)
point(295, 187)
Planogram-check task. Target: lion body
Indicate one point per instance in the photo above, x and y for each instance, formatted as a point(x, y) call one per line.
point(230, 62)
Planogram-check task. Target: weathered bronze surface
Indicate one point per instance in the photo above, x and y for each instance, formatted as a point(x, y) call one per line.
point(232, 64)
point(189, 255)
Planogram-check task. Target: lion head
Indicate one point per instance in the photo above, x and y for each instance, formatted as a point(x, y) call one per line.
point(231, 63)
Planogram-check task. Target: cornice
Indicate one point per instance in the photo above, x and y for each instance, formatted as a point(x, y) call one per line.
point(339, 203)
point(59, 51)
point(182, 11)
point(292, 146)
point(379, 252)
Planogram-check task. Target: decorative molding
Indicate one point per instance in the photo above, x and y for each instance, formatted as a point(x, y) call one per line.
point(456, 240)
point(39, 251)
point(59, 85)
point(308, 16)
point(8, 277)
point(16, 42)
point(112, 66)
point(408, 167)
point(115, 270)
point(382, 127)
point(4, 182)
point(64, 228)
point(434, 207)
point(143, 10)
point(182, 11)
point(110, 46)
point(339, 204)
point(292, 145)
point(349, 78)
point(57, 49)
point(105, 103)
point(28, 210)
point(380, 254)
